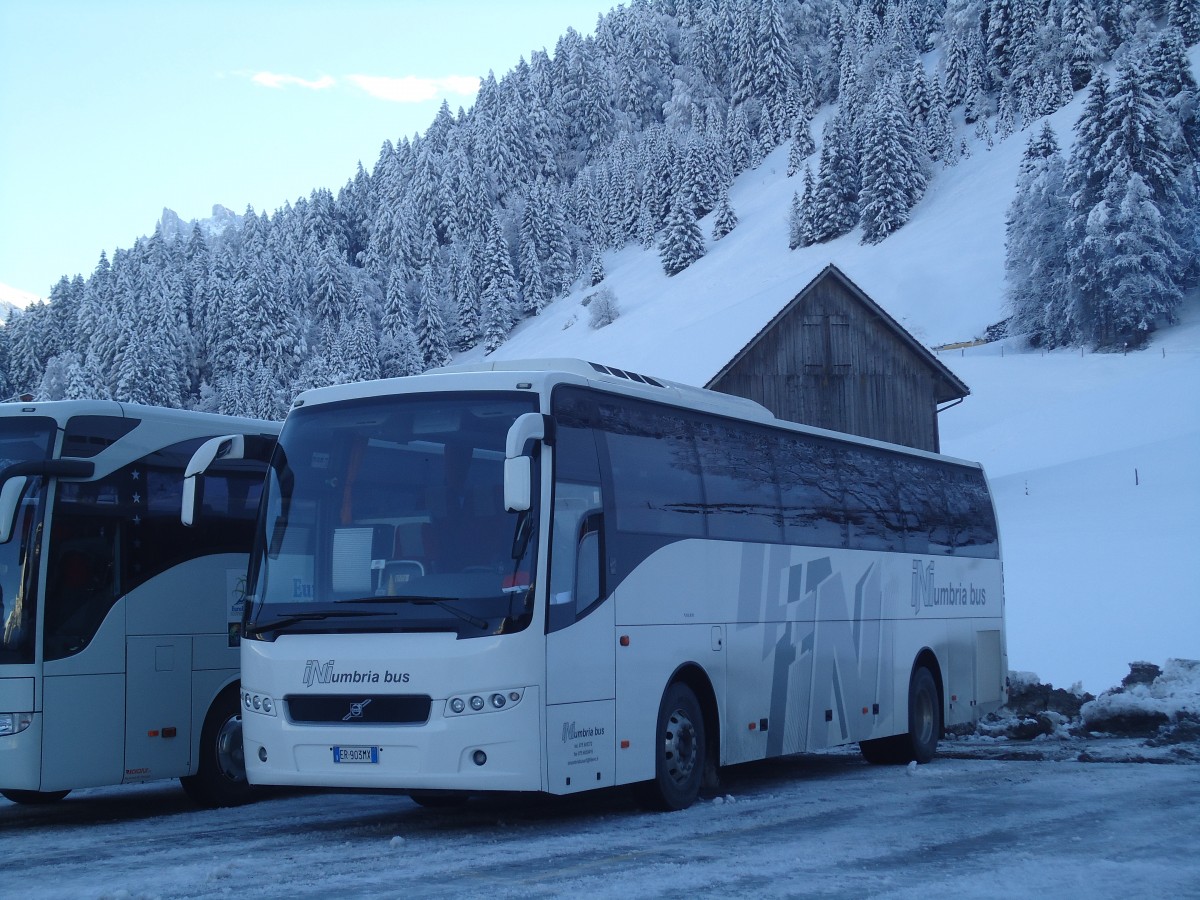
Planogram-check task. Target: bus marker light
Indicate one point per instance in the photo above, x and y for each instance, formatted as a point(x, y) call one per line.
point(153, 733)
point(624, 745)
point(753, 725)
point(624, 640)
point(169, 732)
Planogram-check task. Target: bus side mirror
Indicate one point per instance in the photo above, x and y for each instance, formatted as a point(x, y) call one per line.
point(518, 459)
point(10, 499)
point(231, 446)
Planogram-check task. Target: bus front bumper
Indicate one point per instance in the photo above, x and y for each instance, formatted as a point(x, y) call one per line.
point(495, 750)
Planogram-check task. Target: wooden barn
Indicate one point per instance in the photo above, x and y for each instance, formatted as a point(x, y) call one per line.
point(834, 359)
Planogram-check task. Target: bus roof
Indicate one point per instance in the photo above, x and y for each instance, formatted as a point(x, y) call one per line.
point(62, 410)
point(542, 375)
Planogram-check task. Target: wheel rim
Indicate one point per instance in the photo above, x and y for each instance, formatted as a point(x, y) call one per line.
point(231, 759)
point(924, 718)
point(680, 747)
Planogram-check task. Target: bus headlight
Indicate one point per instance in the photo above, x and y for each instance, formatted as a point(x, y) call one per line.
point(253, 701)
point(14, 723)
point(475, 703)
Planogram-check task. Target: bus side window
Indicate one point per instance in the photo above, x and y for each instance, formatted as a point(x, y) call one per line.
point(575, 566)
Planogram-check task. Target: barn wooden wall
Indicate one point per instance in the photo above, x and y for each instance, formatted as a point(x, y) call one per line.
point(830, 361)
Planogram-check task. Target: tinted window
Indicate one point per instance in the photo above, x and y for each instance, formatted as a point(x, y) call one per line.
point(111, 535)
point(87, 436)
point(741, 490)
point(655, 470)
point(676, 473)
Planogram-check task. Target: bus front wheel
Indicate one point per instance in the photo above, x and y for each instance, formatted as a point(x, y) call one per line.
point(220, 779)
point(679, 756)
point(919, 744)
point(31, 798)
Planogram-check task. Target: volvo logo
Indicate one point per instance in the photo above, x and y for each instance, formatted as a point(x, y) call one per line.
point(356, 710)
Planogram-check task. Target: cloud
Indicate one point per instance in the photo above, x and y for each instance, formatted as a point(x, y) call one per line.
point(411, 89)
point(274, 80)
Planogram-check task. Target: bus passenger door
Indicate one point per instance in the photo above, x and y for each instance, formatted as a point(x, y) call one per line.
point(158, 702)
point(580, 655)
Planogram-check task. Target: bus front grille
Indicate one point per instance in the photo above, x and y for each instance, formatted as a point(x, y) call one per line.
point(371, 709)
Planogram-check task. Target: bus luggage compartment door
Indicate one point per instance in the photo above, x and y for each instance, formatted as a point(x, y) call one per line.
point(158, 702)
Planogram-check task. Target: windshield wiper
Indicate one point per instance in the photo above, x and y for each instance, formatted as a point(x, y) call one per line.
point(479, 623)
point(285, 621)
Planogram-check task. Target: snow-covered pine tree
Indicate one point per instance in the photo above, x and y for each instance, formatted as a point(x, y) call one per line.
point(796, 222)
point(1005, 117)
point(1085, 40)
point(399, 354)
point(837, 191)
point(939, 129)
point(808, 224)
point(893, 167)
point(772, 75)
point(1185, 15)
point(802, 146)
point(956, 69)
point(498, 289)
point(682, 242)
point(725, 219)
point(743, 148)
point(331, 287)
point(1037, 283)
point(431, 328)
point(596, 267)
point(1140, 264)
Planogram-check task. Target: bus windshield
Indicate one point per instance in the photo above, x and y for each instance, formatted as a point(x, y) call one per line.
point(22, 440)
point(387, 514)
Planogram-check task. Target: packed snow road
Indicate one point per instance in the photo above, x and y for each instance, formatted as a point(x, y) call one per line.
point(828, 826)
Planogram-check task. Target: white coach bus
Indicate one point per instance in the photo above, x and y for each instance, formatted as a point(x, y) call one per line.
point(118, 658)
point(556, 576)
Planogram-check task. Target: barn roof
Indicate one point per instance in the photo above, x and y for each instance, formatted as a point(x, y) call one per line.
point(950, 386)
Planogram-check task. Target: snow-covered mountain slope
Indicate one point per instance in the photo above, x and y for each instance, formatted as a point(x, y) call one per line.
point(941, 275)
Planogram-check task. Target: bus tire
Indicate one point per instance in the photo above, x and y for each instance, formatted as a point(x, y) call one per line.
point(679, 755)
point(924, 717)
point(34, 798)
point(220, 779)
point(919, 744)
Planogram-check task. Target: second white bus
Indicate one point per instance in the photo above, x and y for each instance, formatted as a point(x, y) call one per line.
point(559, 576)
point(119, 627)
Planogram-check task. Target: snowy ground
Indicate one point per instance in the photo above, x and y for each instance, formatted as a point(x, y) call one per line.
point(1074, 812)
point(827, 826)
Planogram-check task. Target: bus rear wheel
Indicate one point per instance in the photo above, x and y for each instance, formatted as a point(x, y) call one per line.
point(919, 744)
point(220, 779)
point(679, 757)
point(33, 798)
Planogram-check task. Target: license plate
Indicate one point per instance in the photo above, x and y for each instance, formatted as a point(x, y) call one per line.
point(356, 754)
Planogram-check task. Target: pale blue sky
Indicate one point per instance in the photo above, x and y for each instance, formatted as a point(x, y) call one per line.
point(110, 111)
